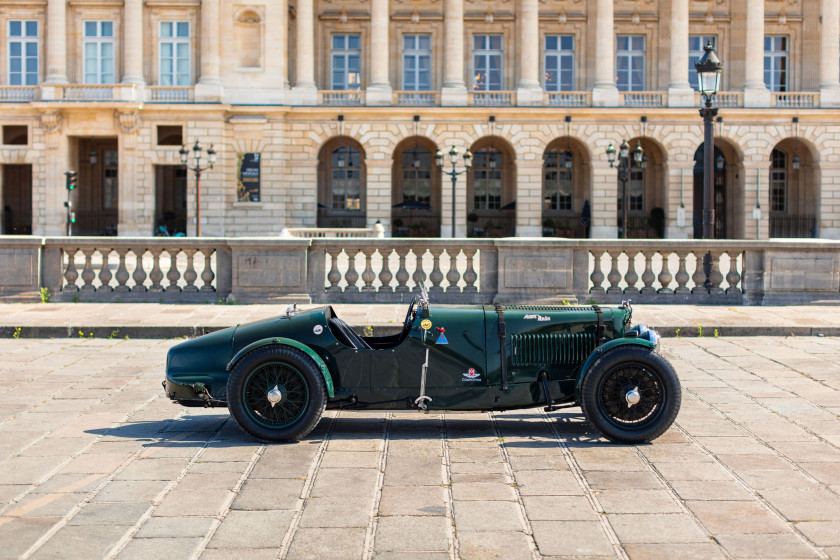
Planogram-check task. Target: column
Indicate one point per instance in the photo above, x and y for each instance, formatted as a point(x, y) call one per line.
point(605, 94)
point(529, 197)
point(305, 92)
point(454, 92)
point(57, 42)
point(829, 54)
point(529, 91)
point(209, 86)
point(379, 90)
point(756, 93)
point(680, 93)
point(133, 50)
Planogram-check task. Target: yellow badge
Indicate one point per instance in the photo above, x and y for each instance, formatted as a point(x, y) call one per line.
point(426, 324)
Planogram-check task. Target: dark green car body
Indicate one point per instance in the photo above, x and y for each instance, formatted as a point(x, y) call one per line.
point(544, 346)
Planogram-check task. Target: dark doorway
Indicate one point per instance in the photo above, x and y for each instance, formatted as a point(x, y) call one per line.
point(17, 199)
point(170, 200)
point(719, 186)
point(97, 195)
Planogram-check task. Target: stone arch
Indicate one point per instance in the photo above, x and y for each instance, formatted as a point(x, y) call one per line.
point(566, 162)
point(342, 184)
point(794, 189)
point(728, 185)
point(491, 189)
point(416, 189)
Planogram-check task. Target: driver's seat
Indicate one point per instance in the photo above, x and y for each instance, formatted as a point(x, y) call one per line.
point(346, 335)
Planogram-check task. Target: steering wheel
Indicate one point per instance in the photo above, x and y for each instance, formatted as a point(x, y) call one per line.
point(409, 317)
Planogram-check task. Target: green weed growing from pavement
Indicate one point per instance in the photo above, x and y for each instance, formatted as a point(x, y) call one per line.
point(16, 334)
point(45, 295)
point(717, 334)
point(677, 333)
point(113, 334)
point(82, 335)
point(700, 331)
point(76, 298)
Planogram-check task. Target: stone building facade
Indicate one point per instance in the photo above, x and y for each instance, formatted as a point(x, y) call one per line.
point(328, 113)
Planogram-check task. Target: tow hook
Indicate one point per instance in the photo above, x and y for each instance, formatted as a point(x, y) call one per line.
point(201, 390)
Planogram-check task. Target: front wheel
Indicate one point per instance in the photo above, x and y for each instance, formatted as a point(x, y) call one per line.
point(631, 395)
point(276, 394)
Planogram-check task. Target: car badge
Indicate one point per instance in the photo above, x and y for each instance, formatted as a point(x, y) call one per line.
point(472, 375)
point(318, 329)
point(442, 338)
point(426, 324)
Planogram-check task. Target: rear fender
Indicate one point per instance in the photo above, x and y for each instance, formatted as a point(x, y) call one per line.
point(294, 344)
point(603, 349)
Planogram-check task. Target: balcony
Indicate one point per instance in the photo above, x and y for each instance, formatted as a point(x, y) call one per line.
point(644, 99)
point(341, 97)
point(798, 100)
point(567, 99)
point(170, 94)
point(18, 94)
point(417, 98)
point(492, 98)
point(727, 99)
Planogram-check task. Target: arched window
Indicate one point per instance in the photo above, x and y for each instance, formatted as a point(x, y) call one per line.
point(346, 179)
point(417, 177)
point(559, 184)
point(487, 179)
point(778, 182)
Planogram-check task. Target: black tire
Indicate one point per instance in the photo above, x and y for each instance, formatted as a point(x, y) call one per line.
point(300, 383)
point(606, 384)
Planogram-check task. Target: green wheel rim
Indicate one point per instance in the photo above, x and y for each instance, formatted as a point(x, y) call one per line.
point(289, 381)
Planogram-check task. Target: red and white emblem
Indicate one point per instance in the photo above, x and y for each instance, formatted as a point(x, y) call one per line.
point(471, 373)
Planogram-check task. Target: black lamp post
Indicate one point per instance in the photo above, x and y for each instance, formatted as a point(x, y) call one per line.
point(197, 168)
point(625, 164)
point(708, 77)
point(453, 157)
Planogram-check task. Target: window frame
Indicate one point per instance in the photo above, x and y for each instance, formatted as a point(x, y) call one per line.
point(99, 40)
point(773, 55)
point(488, 153)
point(416, 53)
point(487, 53)
point(559, 54)
point(345, 53)
point(350, 152)
point(553, 196)
point(175, 41)
point(414, 180)
point(778, 181)
point(24, 39)
point(631, 55)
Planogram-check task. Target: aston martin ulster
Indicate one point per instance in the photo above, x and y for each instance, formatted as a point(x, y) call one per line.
point(277, 376)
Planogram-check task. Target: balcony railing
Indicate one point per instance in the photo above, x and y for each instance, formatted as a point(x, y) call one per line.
point(726, 99)
point(18, 94)
point(87, 92)
point(792, 226)
point(567, 98)
point(644, 99)
point(417, 98)
point(341, 97)
point(170, 94)
point(798, 100)
point(492, 98)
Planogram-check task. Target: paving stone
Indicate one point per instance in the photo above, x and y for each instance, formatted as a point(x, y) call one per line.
point(787, 545)
point(571, 538)
point(215, 467)
point(720, 517)
point(17, 535)
point(44, 505)
point(252, 529)
point(265, 494)
point(704, 490)
point(27, 470)
point(203, 481)
point(483, 491)
point(328, 512)
point(637, 501)
point(400, 533)
point(416, 471)
point(91, 541)
point(130, 491)
point(110, 514)
point(693, 551)
point(804, 504)
point(558, 508)
point(350, 459)
point(174, 527)
point(181, 502)
point(101, 463)
point(501, 545)
point(412, 500)
point(471, 455)
point(821, 533)
point(483, 516)
point(546, 483)
point(240, 554)
point(609, 480)
point(363, 443)
point(143, 549)
point(411, 556)
point(656, 528)
point(477, 468)
point(537, 462)
point(768, 480)
point(344, 483)
point(327, 544)
point(153, 469)
point(693, 471)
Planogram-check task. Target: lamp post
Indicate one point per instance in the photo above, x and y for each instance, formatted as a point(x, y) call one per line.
point(624, 165)
point(708, 78)
point(197, 169)
point(453, 158)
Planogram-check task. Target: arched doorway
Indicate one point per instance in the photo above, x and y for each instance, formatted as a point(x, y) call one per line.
point(415, 196)
point(565, 199)
point(646, 186)
point(491, 189)
point(793, 190)
point(728, 191)
point(342, 200)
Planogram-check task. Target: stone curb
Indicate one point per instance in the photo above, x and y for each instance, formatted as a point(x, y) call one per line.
point(162, 332)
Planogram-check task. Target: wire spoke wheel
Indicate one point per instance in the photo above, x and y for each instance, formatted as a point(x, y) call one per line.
point(631, 395)
point(286, 383)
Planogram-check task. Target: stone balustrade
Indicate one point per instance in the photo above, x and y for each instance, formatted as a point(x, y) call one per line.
point(379, 270)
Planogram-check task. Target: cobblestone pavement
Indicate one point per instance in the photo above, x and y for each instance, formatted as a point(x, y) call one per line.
point(94, 462)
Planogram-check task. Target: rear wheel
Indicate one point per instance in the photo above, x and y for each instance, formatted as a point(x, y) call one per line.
point(276, 394)
point(631, 395)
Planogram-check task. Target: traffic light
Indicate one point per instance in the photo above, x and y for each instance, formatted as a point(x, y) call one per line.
point(72, 179)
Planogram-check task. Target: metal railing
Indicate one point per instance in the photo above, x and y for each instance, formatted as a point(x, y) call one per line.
point(792, 226)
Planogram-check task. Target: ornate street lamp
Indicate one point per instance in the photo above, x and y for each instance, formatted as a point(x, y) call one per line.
point(624, 165)
point(197, 169)
point(453, 158)
point(708, 81)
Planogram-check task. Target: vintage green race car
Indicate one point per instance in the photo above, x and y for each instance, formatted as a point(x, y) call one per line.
point(277, 376)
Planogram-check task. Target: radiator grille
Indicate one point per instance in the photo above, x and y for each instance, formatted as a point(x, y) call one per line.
point(551, 349)
point(549, 308)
